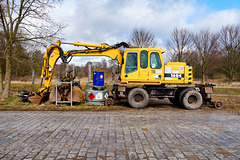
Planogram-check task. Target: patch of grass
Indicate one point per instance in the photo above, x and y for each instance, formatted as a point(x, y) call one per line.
point(10, 99)
point(14, 103)
point(28, 87)
point(224, 95)
point(228, 91)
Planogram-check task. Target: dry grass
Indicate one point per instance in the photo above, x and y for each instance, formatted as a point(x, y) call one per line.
point(14, 103)
point(228, 94)
point(221, 83)
point(230, 102)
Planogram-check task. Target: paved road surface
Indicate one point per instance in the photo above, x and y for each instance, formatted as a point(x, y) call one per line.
point(132, 134)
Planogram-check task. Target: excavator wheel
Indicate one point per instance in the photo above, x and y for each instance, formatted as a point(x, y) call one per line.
point(218, 105)
point(109, 102)
point(192, 100)
point(138, 98)
point(174, 101)
point(180, 96)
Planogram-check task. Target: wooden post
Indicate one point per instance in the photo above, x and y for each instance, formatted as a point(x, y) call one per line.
point(33, 76)
point(73, 70)
point(67, 68)
point(89, 71)
point(113, 74)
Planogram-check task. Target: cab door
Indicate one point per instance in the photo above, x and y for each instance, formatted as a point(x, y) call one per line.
point(131, 67)
point(143, 68)
point(156, 67)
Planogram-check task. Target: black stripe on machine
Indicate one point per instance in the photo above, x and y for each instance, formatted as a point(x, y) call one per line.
point(174, 75)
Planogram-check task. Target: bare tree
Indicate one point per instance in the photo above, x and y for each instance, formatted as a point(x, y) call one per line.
point(179, 44)
point(25, 20)
point(230, 44)
point(104, 63)
point(205, 43)
point(1, 62)
point(142, 38)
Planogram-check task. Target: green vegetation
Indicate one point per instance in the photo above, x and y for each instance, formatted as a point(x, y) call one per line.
point(228, 96)
point(13, 103)
point(228, 91)
point(24, 86)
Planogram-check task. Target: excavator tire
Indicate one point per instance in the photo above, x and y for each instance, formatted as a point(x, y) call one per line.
point(174, 101)
point(192, 100)
point(180, 96)
point(138, 98)
point(109, 101)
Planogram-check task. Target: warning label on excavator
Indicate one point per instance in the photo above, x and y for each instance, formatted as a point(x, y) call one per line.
point(91, 96)
point(98, 95)
point(106, 96)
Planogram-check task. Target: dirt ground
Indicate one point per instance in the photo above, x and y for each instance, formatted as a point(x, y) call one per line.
point(231, 103)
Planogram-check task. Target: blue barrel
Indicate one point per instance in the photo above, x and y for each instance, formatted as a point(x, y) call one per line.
point(98, 78)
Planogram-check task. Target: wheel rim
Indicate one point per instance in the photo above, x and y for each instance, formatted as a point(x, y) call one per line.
point(138, 98)
point(218, 105)
point(192, 99)
point(109, 102)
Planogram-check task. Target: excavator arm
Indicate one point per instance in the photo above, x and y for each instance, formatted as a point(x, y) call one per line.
point(54, 52)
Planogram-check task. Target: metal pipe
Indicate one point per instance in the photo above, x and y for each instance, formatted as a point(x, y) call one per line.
point(89, 71)
point(33, 76)
point(91, 45)
point(41, 82)
point(73, 68)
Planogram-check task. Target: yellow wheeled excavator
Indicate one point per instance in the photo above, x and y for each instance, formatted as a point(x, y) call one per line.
point(143, 68)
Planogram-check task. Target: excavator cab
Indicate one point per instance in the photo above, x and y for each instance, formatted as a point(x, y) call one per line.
point(143, 66)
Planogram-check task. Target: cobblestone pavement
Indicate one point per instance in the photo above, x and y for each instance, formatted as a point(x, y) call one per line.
point(131, 134)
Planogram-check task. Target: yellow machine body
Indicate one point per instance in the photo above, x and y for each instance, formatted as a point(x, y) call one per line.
point(146, 66)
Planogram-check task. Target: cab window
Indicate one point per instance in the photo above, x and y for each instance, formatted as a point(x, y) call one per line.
point(131, 63)
point(155, 60)
point(144, 59)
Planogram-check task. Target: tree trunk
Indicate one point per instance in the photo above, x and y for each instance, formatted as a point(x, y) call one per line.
point(230, 78)
point(1, 81)
point(203, 72)
point(203, 78)
point(6, 91)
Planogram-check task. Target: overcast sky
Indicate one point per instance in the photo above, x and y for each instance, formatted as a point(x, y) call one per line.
point(111, 21)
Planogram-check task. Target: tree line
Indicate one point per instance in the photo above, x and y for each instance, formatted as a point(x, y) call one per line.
point(24, 22)
point(211, 54)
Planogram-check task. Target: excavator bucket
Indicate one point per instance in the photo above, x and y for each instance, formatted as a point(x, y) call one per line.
point(52, 97)
point(77, 95)
point(38, 99)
